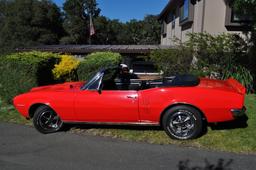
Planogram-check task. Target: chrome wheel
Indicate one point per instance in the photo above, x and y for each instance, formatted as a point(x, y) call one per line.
point(182, 123)
point(49, 120)
point(46, 120)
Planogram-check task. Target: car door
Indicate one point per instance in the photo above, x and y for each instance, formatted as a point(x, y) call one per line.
point(107, 106)
point(96, 104)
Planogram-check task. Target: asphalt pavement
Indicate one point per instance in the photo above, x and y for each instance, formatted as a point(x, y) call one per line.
point(23, 148)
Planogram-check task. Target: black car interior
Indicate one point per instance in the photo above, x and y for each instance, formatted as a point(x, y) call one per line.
point(114, 82)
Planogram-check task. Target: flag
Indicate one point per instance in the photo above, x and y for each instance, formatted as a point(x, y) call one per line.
point(92, 30)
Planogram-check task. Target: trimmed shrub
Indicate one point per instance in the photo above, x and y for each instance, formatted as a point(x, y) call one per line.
point(95, 61)
point(20, 72)
point(66, 69)
point(172, 61)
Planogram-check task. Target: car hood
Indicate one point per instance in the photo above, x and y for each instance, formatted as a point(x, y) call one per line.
point(59, 87)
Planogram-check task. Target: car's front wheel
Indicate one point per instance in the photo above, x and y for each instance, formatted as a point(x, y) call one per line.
point(46, 120)
point(182, 122)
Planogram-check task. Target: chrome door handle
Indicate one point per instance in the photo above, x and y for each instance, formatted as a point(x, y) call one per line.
point(132, 97)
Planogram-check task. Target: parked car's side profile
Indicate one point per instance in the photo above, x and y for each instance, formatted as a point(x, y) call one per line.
point(182, 105)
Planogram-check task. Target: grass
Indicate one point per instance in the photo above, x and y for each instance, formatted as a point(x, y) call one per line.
point(9, 114)
point(225, 137)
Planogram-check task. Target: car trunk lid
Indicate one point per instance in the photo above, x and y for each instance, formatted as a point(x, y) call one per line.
point(231, 85)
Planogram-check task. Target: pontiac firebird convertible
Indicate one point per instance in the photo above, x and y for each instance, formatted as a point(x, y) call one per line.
point(182, 105)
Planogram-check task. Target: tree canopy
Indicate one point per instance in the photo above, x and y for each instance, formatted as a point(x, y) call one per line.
point(76, 20)
point(28, 23)
point(76, 23)
point(146, 31)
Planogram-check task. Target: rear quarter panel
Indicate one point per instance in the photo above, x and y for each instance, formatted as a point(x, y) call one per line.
point(215, 104)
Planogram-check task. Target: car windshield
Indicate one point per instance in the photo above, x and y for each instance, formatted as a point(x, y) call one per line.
point(93, 79)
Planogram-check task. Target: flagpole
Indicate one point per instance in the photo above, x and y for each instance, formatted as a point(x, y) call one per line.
point(92, 30)
point(90, 39)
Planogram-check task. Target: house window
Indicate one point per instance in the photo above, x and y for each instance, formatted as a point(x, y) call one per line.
point(235, 17)
point(184, 10)
point(164, 29)
point(170, 18)
point(186, 13)
point(236, 22)
point(173, 19)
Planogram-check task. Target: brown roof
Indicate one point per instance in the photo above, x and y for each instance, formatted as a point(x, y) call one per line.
point(85, 49)
point(171, 4)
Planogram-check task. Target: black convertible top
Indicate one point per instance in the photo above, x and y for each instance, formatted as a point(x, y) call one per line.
point(183, 80)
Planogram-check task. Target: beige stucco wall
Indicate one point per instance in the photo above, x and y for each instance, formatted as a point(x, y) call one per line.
point(169, 32)
point(198, 16)
point(177, 31)
point(184, 33)
point(215, 13)
point(209, 16)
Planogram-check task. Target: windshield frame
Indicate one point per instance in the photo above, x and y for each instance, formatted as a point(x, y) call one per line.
point(94, 79)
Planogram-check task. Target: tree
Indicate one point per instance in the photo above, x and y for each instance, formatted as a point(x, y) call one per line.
point(151, 32)
point(134, 29)
point(107, 31)
point(28, 23)
point(248, 7)
point(146, 31)
point(76, 22)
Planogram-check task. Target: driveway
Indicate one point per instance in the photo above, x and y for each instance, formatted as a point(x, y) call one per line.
point(22, 147)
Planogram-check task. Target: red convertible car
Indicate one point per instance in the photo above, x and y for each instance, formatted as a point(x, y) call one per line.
point(182, 104)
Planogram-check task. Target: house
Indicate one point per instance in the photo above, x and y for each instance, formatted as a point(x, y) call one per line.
point(180, 17)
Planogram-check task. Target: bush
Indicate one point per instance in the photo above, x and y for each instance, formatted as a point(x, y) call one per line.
point(221, 56)
point(66, 70)
point(241, 74)
point(95, 61)
point(217, 50)
point(215, 53)
point(172, 61)
point(20, 72)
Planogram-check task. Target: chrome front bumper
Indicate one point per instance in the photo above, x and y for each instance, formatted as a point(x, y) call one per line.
point(238, 112)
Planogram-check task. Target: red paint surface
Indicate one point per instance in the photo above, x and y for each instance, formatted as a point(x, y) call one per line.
point(214, 98)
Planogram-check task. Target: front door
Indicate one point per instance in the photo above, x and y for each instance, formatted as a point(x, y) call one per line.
point(107, 106)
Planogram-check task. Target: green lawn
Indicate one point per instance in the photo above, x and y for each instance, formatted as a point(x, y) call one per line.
point(240, 140)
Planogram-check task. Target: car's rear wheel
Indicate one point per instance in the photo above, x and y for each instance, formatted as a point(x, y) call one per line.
point(46, 120)
point(182, 122)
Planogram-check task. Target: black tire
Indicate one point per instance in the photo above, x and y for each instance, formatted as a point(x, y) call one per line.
point(45, 120)
point(182, 122)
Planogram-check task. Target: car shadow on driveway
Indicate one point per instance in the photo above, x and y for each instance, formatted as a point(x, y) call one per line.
point(236, 124)
point(103, 126)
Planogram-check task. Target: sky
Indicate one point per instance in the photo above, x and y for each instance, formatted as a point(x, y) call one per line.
point(125, 10)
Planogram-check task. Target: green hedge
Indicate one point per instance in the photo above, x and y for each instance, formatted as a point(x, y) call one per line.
point(172, 61)
point(95, 61)
point(20, 72)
